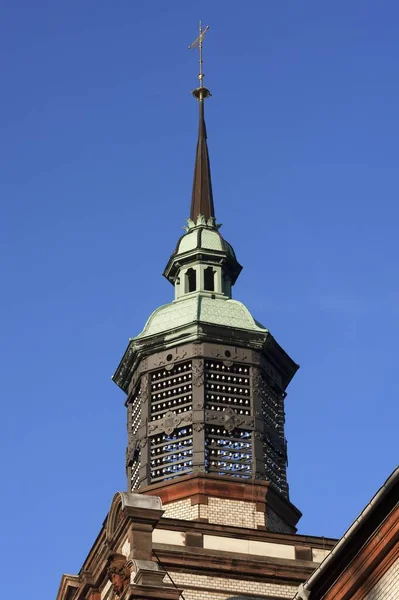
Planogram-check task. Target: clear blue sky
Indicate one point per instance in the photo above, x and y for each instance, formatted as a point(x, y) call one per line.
point(96, 153)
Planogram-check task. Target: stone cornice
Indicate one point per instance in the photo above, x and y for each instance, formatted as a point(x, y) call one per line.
point(201, 561)
point(206, 484)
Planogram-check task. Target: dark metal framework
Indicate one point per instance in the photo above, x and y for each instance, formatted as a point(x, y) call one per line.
point(206, 414)
point(228, 450)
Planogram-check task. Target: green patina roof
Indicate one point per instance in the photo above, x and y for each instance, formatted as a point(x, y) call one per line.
point(204, 238)
point(197, 308)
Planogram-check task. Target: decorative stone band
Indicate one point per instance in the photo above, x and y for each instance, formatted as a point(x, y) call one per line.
point(198, 373)
point(228, 418)
point(134, 364)
point(169, 423)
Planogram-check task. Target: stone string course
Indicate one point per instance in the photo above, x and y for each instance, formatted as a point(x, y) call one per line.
point(222, 585)
point(387, 588)
point(203, 595)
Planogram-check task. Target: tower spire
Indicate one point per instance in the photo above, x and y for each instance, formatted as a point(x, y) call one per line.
point(202, 196)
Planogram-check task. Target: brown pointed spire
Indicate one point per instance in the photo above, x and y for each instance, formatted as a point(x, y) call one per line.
point(202, 198)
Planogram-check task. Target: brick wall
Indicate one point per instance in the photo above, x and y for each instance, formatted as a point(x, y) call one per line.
point(219, 511)
point(387, 588)
point(182, 509)
point(237, 513)
point(222, 588)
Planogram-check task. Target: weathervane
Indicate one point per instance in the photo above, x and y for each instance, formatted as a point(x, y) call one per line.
point(201, 92)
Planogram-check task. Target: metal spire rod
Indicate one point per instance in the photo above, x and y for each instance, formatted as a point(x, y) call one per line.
point(201, 92)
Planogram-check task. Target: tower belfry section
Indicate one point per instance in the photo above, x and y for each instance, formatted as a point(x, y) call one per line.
point(205, 382)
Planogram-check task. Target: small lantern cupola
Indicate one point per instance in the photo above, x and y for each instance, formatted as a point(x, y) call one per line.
point(202, 263)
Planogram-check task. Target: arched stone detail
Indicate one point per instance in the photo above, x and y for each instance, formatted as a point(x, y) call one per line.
point(115, 514)
point(127, 500)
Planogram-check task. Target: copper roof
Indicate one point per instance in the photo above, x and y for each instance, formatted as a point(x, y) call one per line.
point(202, 198)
